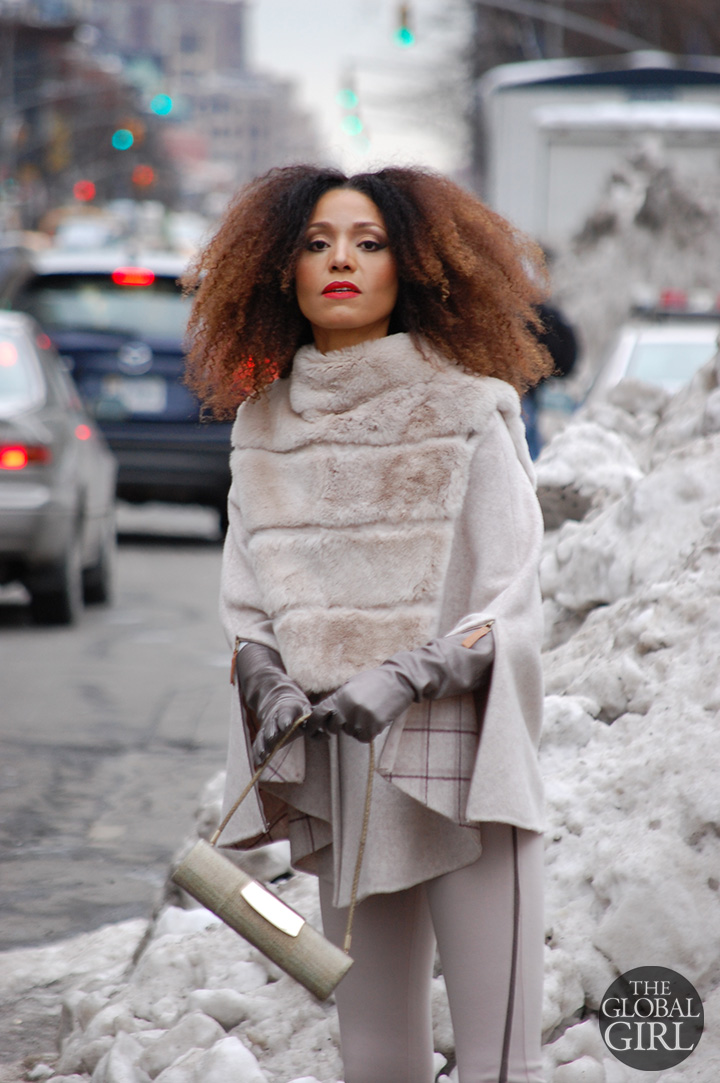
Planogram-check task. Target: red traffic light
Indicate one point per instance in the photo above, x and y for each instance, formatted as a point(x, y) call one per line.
point(143, 176)
point(84, 190)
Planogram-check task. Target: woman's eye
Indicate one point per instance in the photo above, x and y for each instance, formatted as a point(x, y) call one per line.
point(371, 246)
point(316, 245)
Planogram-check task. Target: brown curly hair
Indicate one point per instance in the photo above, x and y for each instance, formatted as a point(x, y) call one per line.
point(468, 281)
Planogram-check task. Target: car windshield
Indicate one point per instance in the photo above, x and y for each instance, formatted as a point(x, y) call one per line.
point(94, 302)
point(668, 364)
point(21, 385)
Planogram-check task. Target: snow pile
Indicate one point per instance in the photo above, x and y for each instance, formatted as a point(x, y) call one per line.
point(200, 1005)
point(650, 232)
point(190, 1001)
point(631, 740)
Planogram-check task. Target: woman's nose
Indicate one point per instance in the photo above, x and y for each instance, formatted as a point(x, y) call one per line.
point(342, 257)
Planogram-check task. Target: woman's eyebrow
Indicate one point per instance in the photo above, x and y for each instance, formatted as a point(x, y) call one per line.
point(356, 225)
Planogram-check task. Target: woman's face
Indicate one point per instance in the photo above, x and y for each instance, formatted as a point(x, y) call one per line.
point(346, 278)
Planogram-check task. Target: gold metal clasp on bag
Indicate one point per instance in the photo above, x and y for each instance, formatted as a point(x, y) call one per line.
point(272, 909)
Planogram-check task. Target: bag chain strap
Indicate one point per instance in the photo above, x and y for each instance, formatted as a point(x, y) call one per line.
point(363, 834)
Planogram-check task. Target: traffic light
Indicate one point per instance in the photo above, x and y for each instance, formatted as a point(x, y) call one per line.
point(349, 101)
point(122, 139)
point(84, 191)
point(347, 98)
point(143, 176)
point(404, 35)
point(161, 105)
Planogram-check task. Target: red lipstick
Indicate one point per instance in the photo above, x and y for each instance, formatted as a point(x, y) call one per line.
point(341, 289)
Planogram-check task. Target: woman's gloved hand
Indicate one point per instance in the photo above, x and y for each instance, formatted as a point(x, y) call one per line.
point(366, 704)
point(273, 697)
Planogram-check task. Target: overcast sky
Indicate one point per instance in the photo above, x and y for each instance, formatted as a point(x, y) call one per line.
point(403, 92)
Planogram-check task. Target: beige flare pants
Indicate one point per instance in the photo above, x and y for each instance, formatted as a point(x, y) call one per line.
point(487, 919)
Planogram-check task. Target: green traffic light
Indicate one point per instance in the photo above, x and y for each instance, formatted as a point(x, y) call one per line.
point(161, 104)
point(347, 98)
point(122, 139)
point(352, 125)
point(404, 37)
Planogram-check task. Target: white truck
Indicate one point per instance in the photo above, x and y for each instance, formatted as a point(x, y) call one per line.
point(556, 130)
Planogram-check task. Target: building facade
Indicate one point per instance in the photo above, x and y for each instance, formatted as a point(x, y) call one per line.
point(244, 121)
point(186, 38)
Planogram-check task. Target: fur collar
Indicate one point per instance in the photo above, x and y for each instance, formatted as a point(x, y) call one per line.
point(381, 392)
point(344, 380)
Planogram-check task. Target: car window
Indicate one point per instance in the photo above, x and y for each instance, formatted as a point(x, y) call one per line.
point(21, 383)
point(93, 302)
point(668, 364)
point(58, 379)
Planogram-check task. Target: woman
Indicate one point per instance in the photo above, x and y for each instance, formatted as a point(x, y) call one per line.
point(380, 572)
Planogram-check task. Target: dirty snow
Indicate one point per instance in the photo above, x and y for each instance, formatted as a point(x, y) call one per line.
point(631, 739)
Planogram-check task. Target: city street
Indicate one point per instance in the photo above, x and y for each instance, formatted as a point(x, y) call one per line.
point(109, 731)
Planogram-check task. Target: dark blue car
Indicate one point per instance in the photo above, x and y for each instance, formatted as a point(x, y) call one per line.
point(118, 318)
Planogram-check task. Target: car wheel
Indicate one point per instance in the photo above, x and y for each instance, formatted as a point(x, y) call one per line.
point(99, 578)
point(63, 602)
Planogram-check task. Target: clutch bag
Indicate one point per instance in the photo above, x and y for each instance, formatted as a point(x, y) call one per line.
point(258, 915)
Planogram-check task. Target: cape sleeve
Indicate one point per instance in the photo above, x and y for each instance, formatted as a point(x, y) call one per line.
point(241, 605)
point(243, 618)
point(433, 752)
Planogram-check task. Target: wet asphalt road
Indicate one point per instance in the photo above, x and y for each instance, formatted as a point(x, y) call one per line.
point(108, 732)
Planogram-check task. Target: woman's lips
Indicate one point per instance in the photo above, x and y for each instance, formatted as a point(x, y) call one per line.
point(341, 289)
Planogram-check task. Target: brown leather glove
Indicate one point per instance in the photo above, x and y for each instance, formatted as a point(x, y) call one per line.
point(273, 697)
point(366, 704)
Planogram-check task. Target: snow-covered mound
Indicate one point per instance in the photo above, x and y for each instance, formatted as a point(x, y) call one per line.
point(632, 737)
point(198, 1004)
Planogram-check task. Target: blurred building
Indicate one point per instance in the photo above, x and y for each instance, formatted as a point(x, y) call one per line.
point(60, 105)
point(186, 38)
point(251, 121)
point(79, 84)
point(514, 31)
point(228, 123)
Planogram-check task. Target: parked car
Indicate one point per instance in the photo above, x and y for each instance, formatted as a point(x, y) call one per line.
point(119, 319)
point(57, 481)
point(664, 346)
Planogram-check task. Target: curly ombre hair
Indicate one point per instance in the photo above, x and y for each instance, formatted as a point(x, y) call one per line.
point(468, 281)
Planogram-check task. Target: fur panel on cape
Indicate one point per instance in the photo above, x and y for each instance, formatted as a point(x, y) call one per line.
point(381, 497)
point(349, 477)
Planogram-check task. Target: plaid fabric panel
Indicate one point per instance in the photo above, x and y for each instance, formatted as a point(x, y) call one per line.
point(435, 755)
point(307, 836)
point(288, 765)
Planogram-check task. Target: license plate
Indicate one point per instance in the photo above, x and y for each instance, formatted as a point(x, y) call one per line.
point(134, 395)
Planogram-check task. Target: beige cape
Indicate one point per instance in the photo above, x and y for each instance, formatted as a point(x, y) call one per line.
point(380, 498)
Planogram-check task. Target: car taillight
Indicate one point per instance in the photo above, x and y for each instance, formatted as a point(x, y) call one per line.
point(17, 456)
point(676, 300)
point(133, 276)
